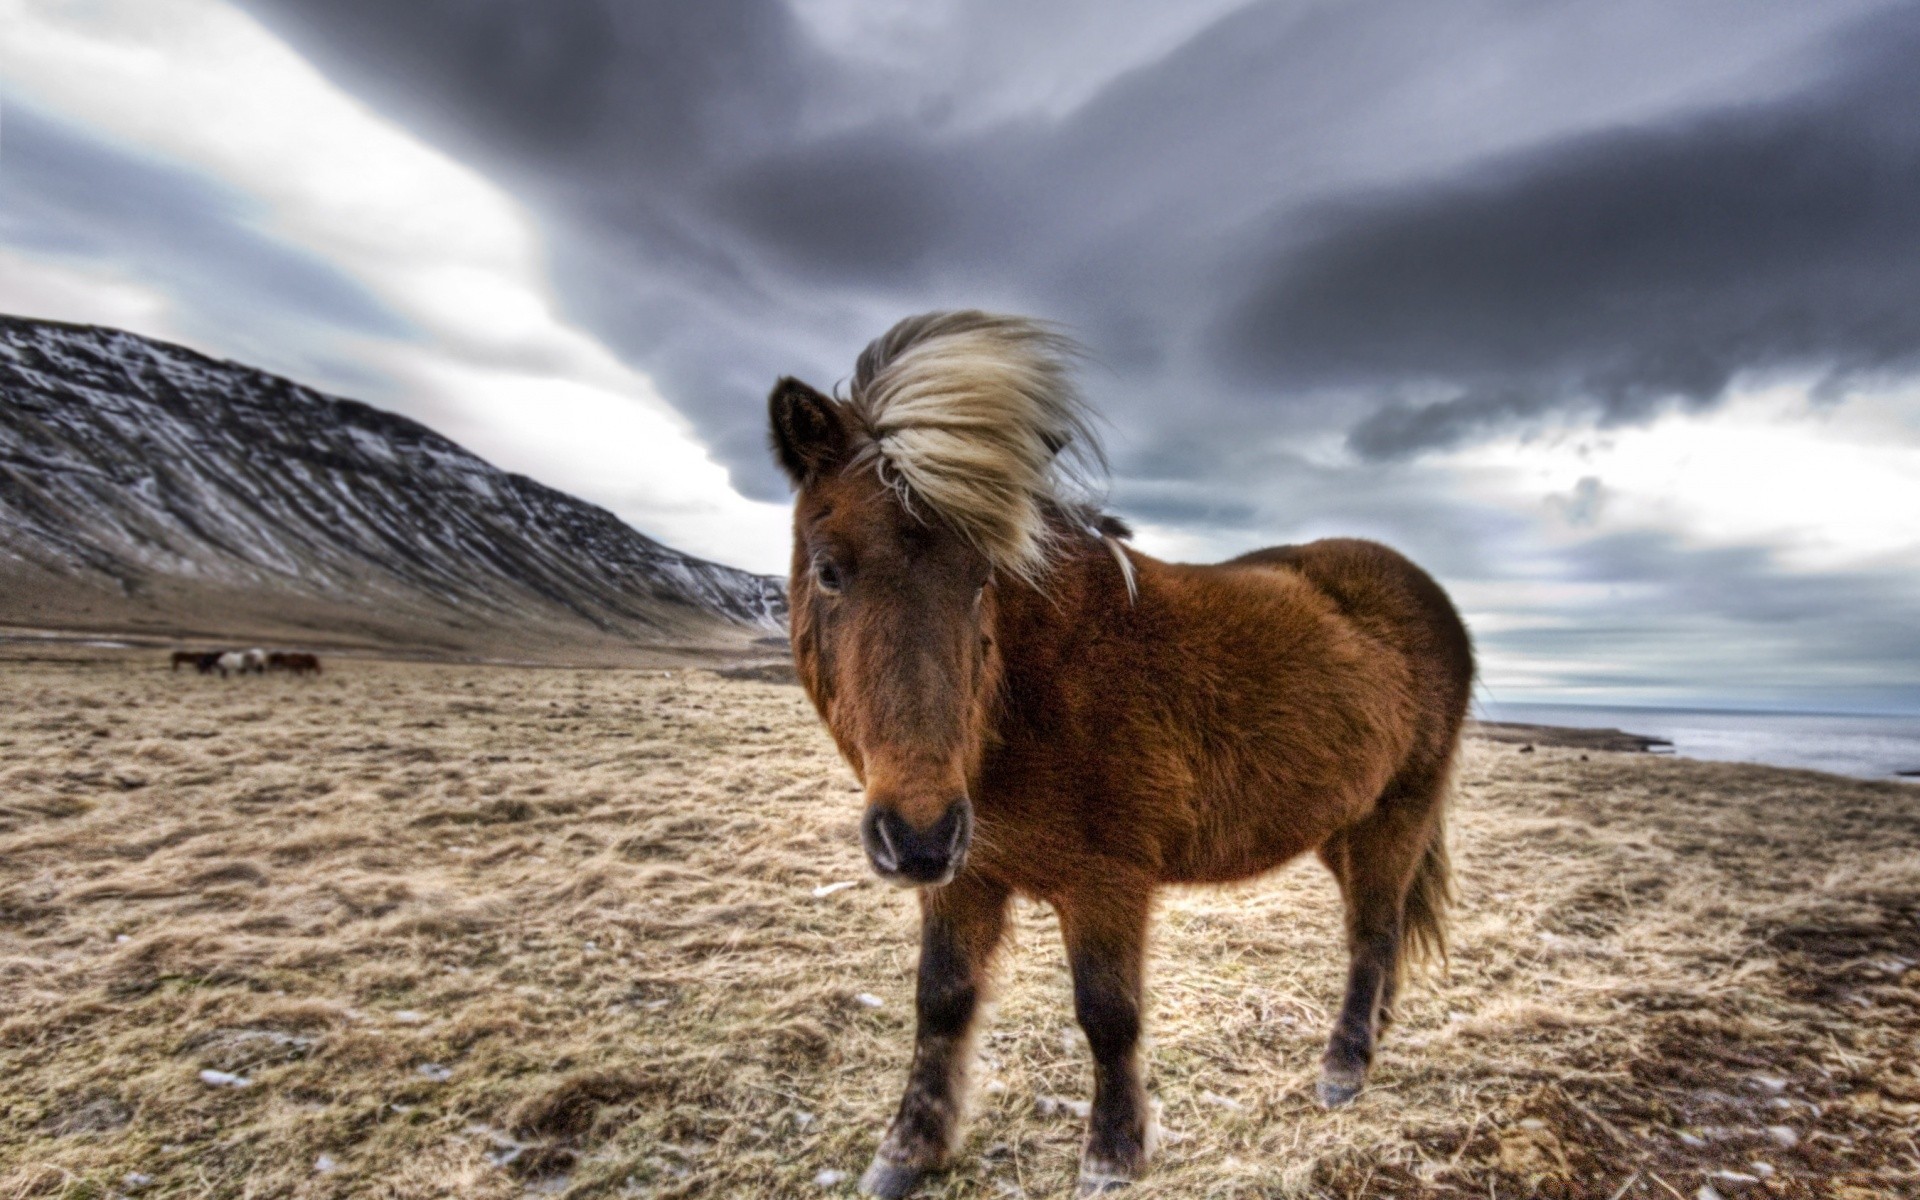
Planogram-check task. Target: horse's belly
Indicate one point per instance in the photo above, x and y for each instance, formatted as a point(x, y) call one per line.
point(1226, 860)
point(1241, 833)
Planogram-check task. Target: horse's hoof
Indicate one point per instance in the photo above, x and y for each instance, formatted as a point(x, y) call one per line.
point(1094, 1185)
point(889, 1180)
point(1098, 1175)
point(1336, 1093)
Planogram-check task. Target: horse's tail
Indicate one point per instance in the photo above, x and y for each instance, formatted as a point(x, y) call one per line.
point(1423, 927)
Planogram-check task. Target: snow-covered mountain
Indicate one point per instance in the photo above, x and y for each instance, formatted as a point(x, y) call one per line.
point(145, 485)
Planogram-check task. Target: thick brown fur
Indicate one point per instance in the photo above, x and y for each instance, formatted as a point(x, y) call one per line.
point(1083, 745)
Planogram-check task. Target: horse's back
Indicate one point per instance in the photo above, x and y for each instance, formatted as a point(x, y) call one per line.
point(1382, 589)
point(1389, 597)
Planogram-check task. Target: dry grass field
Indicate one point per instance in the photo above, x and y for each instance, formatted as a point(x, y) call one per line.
point(492, 931)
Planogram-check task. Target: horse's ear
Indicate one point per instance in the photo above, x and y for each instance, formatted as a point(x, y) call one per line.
point(809, 435)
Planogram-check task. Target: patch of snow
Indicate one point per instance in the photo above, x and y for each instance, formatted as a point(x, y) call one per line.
point(1053, 1106)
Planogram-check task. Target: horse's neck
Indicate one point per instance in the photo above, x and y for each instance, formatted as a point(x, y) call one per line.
point(1042, 631)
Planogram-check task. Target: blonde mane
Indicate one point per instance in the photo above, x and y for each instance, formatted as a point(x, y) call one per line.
point(976, 417)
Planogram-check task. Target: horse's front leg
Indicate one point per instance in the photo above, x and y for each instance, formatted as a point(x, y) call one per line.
point(960, 924)
point(1106, 936)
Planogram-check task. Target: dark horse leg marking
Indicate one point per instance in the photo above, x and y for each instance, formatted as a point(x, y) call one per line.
point(1374, 862)
point(960, 924)
point(1106, 948)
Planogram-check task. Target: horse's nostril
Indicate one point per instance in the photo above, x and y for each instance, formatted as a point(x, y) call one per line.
point(878, 840)
point(962, 827)
point(899, 849)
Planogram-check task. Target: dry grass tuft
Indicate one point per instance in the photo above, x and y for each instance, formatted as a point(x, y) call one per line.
point(570, 1107)
point(480, 931)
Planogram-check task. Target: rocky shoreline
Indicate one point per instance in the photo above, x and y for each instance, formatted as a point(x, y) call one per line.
point(1566, 737)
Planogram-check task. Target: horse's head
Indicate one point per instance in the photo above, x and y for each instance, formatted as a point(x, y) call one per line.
point(891, 613)
point(934, 479)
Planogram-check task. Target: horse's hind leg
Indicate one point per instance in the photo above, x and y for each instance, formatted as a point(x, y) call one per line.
point(1106, 936)
point(1374, 862)
point(960, 924)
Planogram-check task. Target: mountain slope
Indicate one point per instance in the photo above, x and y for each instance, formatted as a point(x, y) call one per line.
point(144, 486)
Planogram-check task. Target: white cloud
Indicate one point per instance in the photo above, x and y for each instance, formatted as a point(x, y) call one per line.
point(637, 460)
point(83, 294)
point(1180, 543)
point(1830, 487)
point(204, 85)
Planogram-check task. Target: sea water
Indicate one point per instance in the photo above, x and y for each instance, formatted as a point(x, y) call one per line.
point(1868, 747)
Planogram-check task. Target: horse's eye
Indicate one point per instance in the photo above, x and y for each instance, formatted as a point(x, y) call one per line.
point(827, 575)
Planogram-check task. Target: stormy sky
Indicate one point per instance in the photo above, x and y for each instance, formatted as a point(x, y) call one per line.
point(1608, 313)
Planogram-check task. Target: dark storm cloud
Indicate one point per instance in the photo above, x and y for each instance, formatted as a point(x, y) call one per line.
point(1621, 273)
point(851, 209)
point(646, 88)
point(728, 198)
point(65, 193)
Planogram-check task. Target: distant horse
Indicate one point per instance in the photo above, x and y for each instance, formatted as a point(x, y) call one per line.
point(208, 663)
point(185, 658)
point(1034, 708)
point(277, 660)
point(301, 663)
point(234, 662)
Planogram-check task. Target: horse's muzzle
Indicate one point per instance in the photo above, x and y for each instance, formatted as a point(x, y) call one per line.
point(911, 857)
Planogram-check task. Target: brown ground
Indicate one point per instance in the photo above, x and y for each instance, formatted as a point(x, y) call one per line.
point(478, 931)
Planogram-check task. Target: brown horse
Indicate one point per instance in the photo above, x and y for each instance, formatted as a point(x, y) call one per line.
point(1034, 708)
